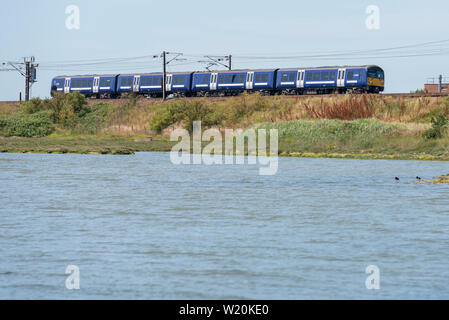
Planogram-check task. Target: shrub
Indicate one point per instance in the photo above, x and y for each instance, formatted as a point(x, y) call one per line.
point(439, 126)
point(186, 112)
point(34, 105)
point(27, 125)
point(65, 109)
point(95, 120)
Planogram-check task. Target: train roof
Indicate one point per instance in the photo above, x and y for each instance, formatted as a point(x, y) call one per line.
point(118, 74)
point(86, 76)
point(152, 73)
point(237, 70)
point(217, 71)
point(330, 67)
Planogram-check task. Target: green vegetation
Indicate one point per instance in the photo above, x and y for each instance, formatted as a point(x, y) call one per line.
point(360, 126)
point(38, 124)
point(81, 145)
point(439, 126)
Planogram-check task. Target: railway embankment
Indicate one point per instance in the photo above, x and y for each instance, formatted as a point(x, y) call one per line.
point(346, 126)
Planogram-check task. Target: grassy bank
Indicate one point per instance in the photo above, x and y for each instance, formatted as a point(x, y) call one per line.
point(81, 145)
point(336, 126)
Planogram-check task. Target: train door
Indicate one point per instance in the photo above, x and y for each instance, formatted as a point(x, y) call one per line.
point(67, 85)
point(213, 81)
point(341, 77)
point(168, 82)
point(249, 80)
point(136, 83)
point(96, 84)
point(300, 80)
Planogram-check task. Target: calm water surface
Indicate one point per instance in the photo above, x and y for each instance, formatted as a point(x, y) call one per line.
point(139, 227)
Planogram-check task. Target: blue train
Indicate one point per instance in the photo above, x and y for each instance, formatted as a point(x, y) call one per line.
point(295, 81)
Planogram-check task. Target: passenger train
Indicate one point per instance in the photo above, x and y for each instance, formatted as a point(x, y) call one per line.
point(346, 79)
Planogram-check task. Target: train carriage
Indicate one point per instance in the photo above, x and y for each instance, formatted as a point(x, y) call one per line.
point(100, 86)
point(179, 83)
point(263, 81)
point(233, 82)
point(203, 83)
point(346, 79)
point(150, 84)
point(322, 80)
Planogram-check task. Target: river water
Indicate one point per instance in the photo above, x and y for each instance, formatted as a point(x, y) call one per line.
point(139, 227)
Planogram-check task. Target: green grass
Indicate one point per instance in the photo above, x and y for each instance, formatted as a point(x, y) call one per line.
point(335, 126)
point(81, 145)
point(356, 139)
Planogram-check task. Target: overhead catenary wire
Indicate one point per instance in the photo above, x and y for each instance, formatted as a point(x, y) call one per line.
point(147, 62)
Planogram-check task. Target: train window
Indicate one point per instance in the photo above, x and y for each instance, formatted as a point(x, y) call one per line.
point(324, 75)
point(228, 78)
point(284, 77)
point(178, 80)
point(235, 78)
point(350, 75)
point(316, 76)
point(258, 77)
point(265, 78)
point(90, 83)
point(203, 79)
point(291, 77)
point(309, 76)
point(332, 76)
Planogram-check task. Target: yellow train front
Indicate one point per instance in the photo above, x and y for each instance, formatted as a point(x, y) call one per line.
point(375, 79)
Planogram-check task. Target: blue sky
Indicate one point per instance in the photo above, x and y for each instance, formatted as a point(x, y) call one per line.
point(122, 29)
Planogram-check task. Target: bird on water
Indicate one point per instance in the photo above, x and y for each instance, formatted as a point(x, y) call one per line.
point(396, 178)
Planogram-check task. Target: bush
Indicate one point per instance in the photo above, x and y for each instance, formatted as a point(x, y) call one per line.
point(27, 125)
point(186, 112)
point(439, 126)
point(35, 105)
point(95, 120)
point(65, 109)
